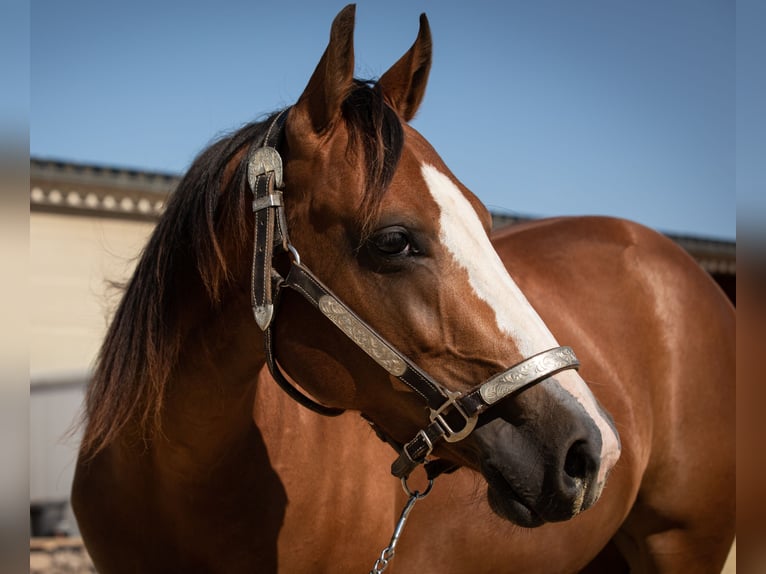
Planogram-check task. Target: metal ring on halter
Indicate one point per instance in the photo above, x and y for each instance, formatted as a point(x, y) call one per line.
point(389, 551)
point(416, 493)
point(294, 252)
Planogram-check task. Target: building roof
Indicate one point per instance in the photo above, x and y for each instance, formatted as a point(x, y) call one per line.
point(98, 190)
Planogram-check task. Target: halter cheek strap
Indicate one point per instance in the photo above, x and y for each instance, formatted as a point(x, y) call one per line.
point(264, 175)
point(453, 415)
point(265, 178)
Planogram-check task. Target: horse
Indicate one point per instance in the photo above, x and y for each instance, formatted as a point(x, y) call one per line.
point(324, 263)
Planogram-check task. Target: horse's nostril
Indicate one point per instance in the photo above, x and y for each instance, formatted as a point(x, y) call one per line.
point(578, 462)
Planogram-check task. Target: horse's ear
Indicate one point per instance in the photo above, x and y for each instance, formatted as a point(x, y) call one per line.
point(333, 77)
point(404, 84)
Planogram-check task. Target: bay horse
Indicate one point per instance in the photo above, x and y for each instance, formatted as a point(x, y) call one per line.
point(387, 298)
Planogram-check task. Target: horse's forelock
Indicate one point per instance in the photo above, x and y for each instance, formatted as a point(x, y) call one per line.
point(375, 127)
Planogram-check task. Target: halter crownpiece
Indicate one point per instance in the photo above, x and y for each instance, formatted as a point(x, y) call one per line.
point(453, 415)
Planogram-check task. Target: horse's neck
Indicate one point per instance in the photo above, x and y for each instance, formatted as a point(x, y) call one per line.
point(208, 407)
point(335, 474)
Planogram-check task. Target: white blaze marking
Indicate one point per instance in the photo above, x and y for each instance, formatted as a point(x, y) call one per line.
point(462, 234)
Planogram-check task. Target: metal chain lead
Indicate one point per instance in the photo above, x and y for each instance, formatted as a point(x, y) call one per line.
point(388, 552)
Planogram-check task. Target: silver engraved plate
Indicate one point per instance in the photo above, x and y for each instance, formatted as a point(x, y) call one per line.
point(263, 315)
point(527, 372)
point(368, 341)
point(262, 161)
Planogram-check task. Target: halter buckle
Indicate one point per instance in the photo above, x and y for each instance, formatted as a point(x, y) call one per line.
point(429, 447)
point(451, 435)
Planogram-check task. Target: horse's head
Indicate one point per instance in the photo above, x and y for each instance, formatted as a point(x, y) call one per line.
point(378, 217)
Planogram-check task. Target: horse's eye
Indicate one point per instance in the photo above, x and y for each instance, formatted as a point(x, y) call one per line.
point(392, 241)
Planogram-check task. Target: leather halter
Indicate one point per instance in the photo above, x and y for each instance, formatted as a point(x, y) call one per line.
point(453, 414)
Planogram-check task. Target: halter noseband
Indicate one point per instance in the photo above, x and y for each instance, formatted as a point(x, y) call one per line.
point(453, 414)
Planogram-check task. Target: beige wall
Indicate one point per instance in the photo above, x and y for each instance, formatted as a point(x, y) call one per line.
point(71, 259)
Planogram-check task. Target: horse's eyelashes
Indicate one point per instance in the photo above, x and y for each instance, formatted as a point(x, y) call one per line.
point(392, 242)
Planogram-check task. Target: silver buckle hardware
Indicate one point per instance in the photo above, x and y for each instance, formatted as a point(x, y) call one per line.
point(271, 200)
point(451, 435)
point(429, 444)
point(262, 161)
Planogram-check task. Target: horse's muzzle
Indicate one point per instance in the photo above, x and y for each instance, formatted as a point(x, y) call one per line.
point(541, 471)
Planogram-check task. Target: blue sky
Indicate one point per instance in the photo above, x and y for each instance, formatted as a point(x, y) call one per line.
point(542, 108)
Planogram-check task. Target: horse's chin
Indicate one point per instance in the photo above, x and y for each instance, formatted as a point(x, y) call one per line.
point(507, 503)
point(513, 509)
point(506, 498)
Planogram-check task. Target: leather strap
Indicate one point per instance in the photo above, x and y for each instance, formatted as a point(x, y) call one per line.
point(289, 388)
point(264, 174)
